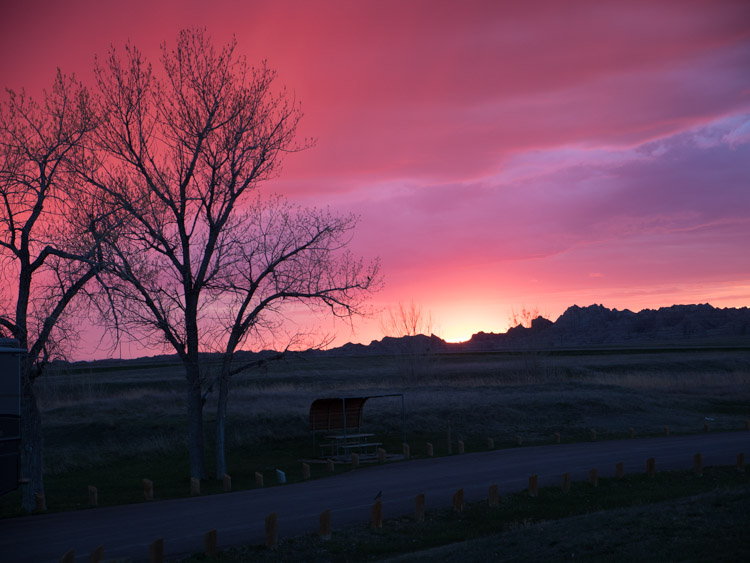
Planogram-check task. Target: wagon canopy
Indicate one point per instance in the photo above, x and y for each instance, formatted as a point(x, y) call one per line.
point(337, 413)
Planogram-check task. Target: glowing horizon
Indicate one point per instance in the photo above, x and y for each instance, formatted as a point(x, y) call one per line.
point(543, 154)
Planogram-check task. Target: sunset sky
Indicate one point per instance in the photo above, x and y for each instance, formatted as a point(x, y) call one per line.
point(499, 154)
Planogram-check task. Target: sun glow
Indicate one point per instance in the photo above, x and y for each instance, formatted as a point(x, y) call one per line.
point(457, 334)
point(457, 339)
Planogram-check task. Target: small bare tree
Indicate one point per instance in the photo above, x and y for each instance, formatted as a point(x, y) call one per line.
point(49, 240)
point(524, 317)
point(406, 319)
point(409, 323)
point(523, 321)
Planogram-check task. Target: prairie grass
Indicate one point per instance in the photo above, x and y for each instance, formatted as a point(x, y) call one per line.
point(128, 420)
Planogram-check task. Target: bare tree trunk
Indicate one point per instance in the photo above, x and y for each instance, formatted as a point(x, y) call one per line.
point(221, 420)
point(195, 424)
point(31, 447)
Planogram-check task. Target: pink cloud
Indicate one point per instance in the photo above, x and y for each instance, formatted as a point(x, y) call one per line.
point(500, 153)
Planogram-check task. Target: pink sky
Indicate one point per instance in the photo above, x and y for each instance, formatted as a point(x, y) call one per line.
point(500, 154)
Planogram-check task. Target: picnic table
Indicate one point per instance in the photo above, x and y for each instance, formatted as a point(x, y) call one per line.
point(346, 444)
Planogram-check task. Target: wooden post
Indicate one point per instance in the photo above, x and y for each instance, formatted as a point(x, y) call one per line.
point(272, 531)
point(566, 482)
point(593, 435)
point(706, 427)
point(93, 496)
point(494, 496)
point(210, 544)
point(747, 424)
point(96, 555)
point(355, 460)
point(556, 436)
point(407, 451)
point(741, 462)
point(594, 477)
point(631, 432)
point(325, 524)
point(419, 507)
point(460, 446)
point(430, 450)
point(148, 489)
point(195, 486)
point(376, 514)
point(666, 430)
point(450, 442)
point(41, 503)
point(331, 467)
point(620, 470)
point(226, 483)
point(650, 467)
point(258, 479)
point(156, 551)
point(458, 500)
point(305, 471)
point(490, 444)
point(68, 557)
point(534, 486)
point(698, 465)
point(382, 456)
point(519, 441)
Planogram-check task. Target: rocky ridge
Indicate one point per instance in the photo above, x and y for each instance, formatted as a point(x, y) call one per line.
point(582, 327)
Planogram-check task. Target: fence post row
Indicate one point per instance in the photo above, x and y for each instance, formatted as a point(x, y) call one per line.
point(156, 548)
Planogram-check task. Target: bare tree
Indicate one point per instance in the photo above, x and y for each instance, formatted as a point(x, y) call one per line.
point(49, 240)
point(414, 327)
point(180, 154)
point(524, 317)
point(525, 325)
point(286, 255)
point(406, 319)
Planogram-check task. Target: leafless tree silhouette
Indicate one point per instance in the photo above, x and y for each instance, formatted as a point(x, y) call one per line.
point(524, 317)
point(200, 264)
point(408, 321)
point(285, 255)
point(49, 240)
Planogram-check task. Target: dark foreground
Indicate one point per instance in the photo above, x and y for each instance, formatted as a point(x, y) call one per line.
point(126, 531)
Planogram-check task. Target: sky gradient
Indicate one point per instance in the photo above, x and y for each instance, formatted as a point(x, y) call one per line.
point(499, 154)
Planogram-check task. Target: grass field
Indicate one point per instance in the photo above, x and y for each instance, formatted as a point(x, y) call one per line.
point(112, 427)
point(674, 516)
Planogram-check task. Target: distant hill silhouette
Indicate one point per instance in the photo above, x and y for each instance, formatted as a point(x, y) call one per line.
point(592, 326)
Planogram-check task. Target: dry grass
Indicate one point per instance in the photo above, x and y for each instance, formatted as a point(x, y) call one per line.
point(105, 426)
point(499, 395)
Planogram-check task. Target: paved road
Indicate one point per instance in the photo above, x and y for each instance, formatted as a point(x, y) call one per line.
point(126, 531)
